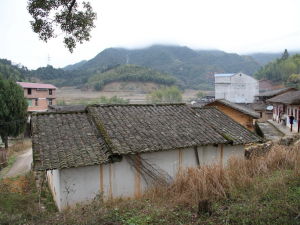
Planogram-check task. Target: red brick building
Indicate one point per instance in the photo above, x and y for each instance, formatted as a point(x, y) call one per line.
point(39, 96)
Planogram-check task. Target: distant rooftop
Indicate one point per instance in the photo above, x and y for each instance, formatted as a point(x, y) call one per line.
point(36, 85)
point(237, 107)
point(224, 74)
point(276, 92)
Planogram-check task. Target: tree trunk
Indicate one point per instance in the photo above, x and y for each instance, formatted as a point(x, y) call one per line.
point(5, 141)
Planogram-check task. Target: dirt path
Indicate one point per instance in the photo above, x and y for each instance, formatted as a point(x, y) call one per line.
point(22, 164)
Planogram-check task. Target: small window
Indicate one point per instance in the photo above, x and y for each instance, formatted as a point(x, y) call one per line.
point(36, 102)
point(50, 91)
point(29, 101)
point(49, 101)
point(29, 91)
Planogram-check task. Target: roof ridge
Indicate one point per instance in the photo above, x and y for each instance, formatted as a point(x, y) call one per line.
point(58, 112)
point(150, 104)
point(226, 136)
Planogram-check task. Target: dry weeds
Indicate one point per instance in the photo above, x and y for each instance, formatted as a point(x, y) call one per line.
point(216, 182)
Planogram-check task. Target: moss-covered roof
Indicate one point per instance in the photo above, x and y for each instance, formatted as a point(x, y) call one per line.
point(226, 126)
point(75, 139)
point(64, 140)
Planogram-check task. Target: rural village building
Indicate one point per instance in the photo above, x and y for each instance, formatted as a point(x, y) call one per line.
point(120, 150)
point(286, 107)
point(39, 96)
point(236, 87)
point(263, 107)
point(239, 113)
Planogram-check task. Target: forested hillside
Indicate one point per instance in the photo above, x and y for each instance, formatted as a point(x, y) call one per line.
point(191, 68)
point(283, 70)
point(194, 69)
point(10, 71)
point(129, 73)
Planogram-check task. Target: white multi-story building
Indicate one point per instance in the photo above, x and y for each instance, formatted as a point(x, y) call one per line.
point(236, 87)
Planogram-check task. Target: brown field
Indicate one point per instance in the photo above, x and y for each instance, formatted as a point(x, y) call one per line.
point(71, 95)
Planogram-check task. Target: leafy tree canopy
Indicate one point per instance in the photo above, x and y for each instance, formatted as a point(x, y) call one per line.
point(281, 69)
point(12, 72)
point(166, 95)
point(13, 110)
point(285, 54)
point(130, 73)
point(75, 20)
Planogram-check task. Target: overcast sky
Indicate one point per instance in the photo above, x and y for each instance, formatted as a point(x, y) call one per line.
point(240, 26)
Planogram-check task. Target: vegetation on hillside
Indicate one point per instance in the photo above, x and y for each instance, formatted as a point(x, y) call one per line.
point(283, 70)
point(192, 68)
point(101, 100)
point(12, 72)
point(166, 95)
point(129, 73)
point(261, 190)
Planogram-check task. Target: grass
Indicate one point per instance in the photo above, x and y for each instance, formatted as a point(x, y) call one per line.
point(263, 190)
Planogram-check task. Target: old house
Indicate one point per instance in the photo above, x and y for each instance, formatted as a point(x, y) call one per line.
point(236, 87)
point(39, 96)
point(241, 114)
point(285, 106)
point(120, 150)
point(264, 108)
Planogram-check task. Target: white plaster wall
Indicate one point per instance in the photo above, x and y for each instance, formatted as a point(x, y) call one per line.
point(120, 179)
point(53, 178)
point(79, 184)
point(240, 88)
point(230, 151)
point(208, 154)
point(243, 88)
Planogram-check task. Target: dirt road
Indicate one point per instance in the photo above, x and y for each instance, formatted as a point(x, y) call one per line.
point(22, 165)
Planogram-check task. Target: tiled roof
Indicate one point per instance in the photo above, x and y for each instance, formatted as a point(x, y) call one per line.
point(144, 128)
point(290, 98)
point(62, 140)
point(66, 108)
point(276, 92)
point(74, 139)
point(36, 85)
point(226, 126)
point(237, 107)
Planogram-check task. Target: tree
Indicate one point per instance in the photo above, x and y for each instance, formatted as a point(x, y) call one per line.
point(13, 110)
point(285, 54)
point(74, 19)
point(200, 94)
point(166, 95)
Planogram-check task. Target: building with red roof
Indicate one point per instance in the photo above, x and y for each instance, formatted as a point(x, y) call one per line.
point(39, 96)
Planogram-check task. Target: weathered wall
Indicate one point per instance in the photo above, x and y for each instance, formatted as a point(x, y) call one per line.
point(238, 88)
point(53, 177)
point(120, 179)
point(241, 118)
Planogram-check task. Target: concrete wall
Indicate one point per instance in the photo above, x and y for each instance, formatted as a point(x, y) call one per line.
point(121, 179)
point(238, 88)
